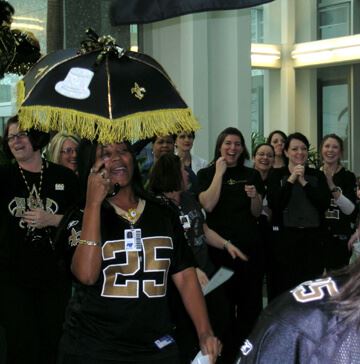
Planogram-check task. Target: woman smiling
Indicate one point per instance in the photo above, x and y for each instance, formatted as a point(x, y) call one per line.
point(127, 249)
point(341, 214)
point(298, 197)
point(232, 196)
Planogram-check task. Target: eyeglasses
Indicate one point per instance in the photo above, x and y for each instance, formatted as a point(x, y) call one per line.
point(262, 154)
point(20, 135)
point(68, 150)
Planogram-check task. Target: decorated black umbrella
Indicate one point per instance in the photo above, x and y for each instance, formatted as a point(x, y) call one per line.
point(102, 91)
point(146, 11)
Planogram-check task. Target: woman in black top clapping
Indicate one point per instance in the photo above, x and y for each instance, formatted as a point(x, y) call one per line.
point(340, 216)
point(298, 197)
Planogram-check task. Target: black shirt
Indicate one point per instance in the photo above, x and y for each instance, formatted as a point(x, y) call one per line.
point(231, 217)
point(126, 310)
point(28, 257)
point(301, 326)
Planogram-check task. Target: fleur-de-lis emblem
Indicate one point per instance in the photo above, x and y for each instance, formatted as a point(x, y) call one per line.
point(231, 182)
point(74, 237)
point(138, 91)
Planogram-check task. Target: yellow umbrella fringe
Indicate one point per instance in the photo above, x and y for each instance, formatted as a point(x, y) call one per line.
point(131, 127)
point(20, 93)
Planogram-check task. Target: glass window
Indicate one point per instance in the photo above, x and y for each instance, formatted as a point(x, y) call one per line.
point(334, 21)
point(257, 25)
point(257, 102)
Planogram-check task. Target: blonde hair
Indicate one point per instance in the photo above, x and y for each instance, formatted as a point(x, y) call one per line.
point(57, 143)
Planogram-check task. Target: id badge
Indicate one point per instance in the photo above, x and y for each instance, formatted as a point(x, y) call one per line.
point(332, 214)
point(185, 222)
point(164, 341)
point(132, 239)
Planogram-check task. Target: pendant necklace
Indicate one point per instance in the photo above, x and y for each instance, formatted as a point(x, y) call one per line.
point(34, 199)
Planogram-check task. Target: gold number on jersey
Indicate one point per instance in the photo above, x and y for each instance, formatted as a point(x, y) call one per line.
point(314, 290)
point(152, 263)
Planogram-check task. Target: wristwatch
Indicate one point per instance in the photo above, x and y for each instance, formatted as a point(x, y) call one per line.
point(336, 189)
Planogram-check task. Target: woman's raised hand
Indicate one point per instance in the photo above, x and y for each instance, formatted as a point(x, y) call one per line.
point(98, 184)
point(220, 165)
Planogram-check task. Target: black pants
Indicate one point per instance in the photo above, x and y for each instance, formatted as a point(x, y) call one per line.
point(66, 356)
point(298, 257)
point(32, 319)
point(75, 359)
point(2, 346)
point(185, 332)
point(243, 299)
point(336, 252)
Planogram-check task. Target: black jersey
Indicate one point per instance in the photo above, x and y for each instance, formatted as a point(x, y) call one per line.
point(232, 217)
point(301, 326)
point(29, 256)
point(126, 310)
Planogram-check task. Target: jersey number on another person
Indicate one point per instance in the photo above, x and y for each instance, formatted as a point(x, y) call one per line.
point(152, 264)
point(314, 290)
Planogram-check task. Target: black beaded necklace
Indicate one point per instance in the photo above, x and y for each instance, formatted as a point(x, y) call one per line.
point(34, 199)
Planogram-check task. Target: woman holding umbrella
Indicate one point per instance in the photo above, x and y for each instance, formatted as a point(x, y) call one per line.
point(128, 247)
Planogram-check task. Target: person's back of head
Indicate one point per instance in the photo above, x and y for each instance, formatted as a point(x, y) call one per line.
point(166, 174)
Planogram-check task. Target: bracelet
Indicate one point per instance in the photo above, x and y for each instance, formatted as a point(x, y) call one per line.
point(88, 242)
point(227, 242)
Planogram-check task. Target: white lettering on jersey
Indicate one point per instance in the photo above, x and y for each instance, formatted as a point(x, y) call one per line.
point(59, 187)
point(314, 290)
point(246, 347)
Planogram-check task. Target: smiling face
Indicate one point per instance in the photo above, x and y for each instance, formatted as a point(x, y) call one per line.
point(163, 145)
point(68, 154)
point(331, 151)
point(231, 149)
point(277, 141)
point(184, 142)
point(19, 144)
point(297, 153)
point(118, 162)
point(264, 158)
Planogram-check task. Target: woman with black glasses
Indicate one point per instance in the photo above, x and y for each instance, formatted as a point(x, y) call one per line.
point(34, 279)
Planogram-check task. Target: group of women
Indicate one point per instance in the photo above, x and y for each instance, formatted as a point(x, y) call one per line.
point(291, 221)
point(122, 245)
point(130, 250)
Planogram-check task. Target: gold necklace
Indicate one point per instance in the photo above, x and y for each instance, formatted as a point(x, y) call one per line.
point(132, 215)
point(34, 199)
